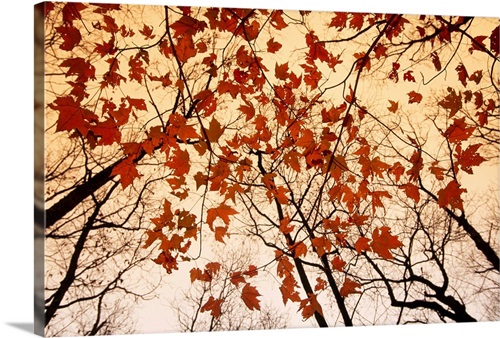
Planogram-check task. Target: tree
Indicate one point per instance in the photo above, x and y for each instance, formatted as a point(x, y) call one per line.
point(348, 151)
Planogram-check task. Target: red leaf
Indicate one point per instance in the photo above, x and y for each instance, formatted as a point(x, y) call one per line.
point(349, 287)
point(458, 131)
point(127, 171)
point(214, 306)
point(147, 32)
point(179, 162)
point(185, 48)
point(452, 102)
point(339, 20)
point(411, 191)
point(187, 26)
point(249, 295)
point(273, 46)
point(462, 74)
point(322, 245)
point(72, 115)
point(223, 212)
point(79, 67)
point(71, 37)
point(277, 20)
point(408, 76)
point(309, 306)
point(468, 158)
point(362, 245)
point(281, 71)
point(436, 61)
point(414, 97)
point(383, 241)
point(237, 278)
point(478, 44)
point(338, 264)
point(450, 196)
point(393, 106)
point(71, 11)
point(495, 40)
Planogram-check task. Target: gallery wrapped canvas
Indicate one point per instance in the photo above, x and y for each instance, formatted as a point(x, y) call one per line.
point(223, 169)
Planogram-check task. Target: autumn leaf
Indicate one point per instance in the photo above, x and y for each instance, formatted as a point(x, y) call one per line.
point(273, 46)
point(408, 76)
point(249, 295)
point(337, 263)
point(309, 306)
point(495, 40)
point(383, 242)
point(223, 212)
point(349, 287)
point(281, 71)
point(214, 306)
point(452, 102)
point(411, 191)
point(71, 37)
point(80, 67)
point(362, 245)
point(215, 130)
point(451, 196)
point(468, 158)
point(393, 106)
point(414, 97)
point(236, 278)
point(436, 61)
point(127, 169)
point(458, 131)
point(462, 74)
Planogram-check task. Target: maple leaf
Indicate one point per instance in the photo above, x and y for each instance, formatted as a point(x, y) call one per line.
point(71, 37)
point(179, 162)
point(127, 169)
point(411, 191)
point(214, 131)
point(452, 102)
point(277, 20)
point(107, 131)
point(71, 12)
point(339, 20)
point(408, 76)
point(236, 278)
point(252, 271)
point(436, 61)
point(220, 232)
point(72, 115)
point(273, 46)
point(281, 71)
point(223, 212)
point(320, 284)
point(393, 106)
point(337, 263)
point(249, 295)
point(322, 245)
point(414, 97)
point(468, 158)
point(495, 40)
point(450, 196)
point(185, 48)
point(383, 242)
point(462, 74)
point(349, 287)
point(309, 306)
point(288, 291)
point(147, 31)
point(79, 67)
point(187, 26)
point(214, 306)
point(362, 245)
point(458, 131)
point(106, 47)
point(357, 21)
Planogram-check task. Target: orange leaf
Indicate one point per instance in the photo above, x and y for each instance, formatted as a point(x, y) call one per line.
point(349, 287)
point(452, 102)
point(281, 71)
point(309, 306)
point(458, 131)
point(214, 131)
point(237, 278)
point(249, 295)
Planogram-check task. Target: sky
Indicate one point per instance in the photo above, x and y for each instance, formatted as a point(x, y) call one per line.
point(17, 141)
